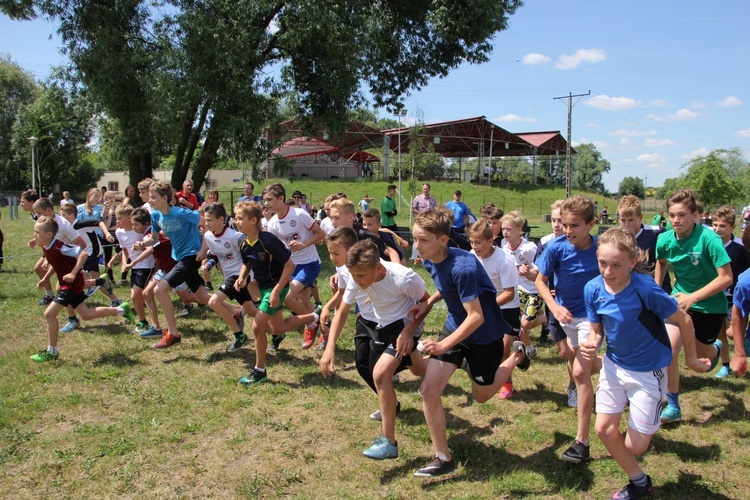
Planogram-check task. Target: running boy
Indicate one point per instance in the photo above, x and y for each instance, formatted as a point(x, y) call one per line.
point(740, 311)
point(66, 261)
point(180, 225)
point(503, 273)
point(270, 261)
point(723, 222)
point(141, 271)
point(392, 290)
point(572, 260)
point(473, 330)
point(701, 266)
point(299, 232)
point(631, 309)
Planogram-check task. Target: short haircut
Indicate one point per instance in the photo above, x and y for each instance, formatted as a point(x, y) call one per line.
point(481, 229)
point(684, 196)
point(69, 208)
point(276, 189)
point(391, 186)
point(344, 236)
point(252, 186)
point(580, 205)
point(556, 205)
point(141, 216)
point(364, 253)
point(250, 209)
point(145, 183)
point(216, 209)
point(437, 221)
point(43, 204)
point(514, 218)
point(725, 213)
point(457, 192)
point(124, 210)
point(162, 188)
point(30, 195)
point(629, 206)
point(699, 206)
point(492, 212)
point(68, 193)
point(426, 184)
point(214, 192)
point(343, 204)
point(47, 224)
point(371, 213)
point(331, 197)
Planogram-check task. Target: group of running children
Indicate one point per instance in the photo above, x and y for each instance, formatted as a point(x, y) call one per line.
point(614, 286)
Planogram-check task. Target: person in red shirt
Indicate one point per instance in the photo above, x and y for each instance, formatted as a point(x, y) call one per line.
point(186, 198)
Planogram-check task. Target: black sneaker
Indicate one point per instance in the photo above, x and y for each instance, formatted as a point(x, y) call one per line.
point(276, 342)
point(238, 342)
point(519, 346)
point(437, 467)
point(631, 491)
point(577, 453)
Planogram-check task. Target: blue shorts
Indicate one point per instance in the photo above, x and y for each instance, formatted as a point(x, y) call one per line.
point(306, 273)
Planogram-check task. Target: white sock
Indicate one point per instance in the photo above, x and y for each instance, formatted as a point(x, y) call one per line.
point(52, 349)
point(120, 311)
point(262, 370)
point(316, 316)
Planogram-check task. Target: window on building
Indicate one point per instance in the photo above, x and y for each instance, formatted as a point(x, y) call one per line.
point(113, 186)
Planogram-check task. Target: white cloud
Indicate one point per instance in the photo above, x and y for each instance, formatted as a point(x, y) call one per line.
point(652, 158)
point(742, 133)
point(683, 115)
point(510, 117)
point(534, 59)
point(613, 103)
point(632, 133)
point(730, 101)
point(572, 61)
point(657, 103)
point(696, 153)
point(625, 142)
point(680, 116)
point(653, 143)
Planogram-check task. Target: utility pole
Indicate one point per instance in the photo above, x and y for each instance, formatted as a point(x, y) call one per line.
point(568, 160)
point(645, 188)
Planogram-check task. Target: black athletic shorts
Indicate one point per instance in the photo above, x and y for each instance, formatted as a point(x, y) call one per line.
point(513, 318)
point(483, 360)
point(556, 331)
point(140, 277)
point(68, 298)
point(185, 271)
point(227, 288)
point(707, 326)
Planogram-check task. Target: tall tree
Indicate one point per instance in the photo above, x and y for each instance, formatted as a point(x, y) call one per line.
point(17, 88)
point(632, 185)
point(588, 168)
point(710, 178)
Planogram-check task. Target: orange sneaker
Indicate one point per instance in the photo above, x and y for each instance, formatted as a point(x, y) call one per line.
point(309, 336)
point(168, 340)
point(506, 391)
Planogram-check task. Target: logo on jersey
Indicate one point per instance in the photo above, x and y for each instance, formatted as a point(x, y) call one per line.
point(227, 245)
point(695, 258)
point(292, 223)
point(262, 256)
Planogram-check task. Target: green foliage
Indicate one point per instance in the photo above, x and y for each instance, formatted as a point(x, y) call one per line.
point(17, 89)
point(632, 185)
point(588, 168)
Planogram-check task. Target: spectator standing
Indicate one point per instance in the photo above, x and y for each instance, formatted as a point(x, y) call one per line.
point(388, 209)
point(460, 212)
point(186, 198)
point(248, 194)
point(422, 203)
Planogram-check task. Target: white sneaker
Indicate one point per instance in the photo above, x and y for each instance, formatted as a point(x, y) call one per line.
point(573, 398)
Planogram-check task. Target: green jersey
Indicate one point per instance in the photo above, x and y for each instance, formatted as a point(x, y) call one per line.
point(695, 260)
point(388, 205)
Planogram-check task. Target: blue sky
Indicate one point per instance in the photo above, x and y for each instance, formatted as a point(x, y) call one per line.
point(669, 80)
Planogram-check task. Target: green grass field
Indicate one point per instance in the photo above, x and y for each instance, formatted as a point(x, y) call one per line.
point(115, 418)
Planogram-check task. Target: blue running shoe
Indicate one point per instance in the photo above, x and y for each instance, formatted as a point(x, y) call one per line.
point(724, 372)
point(719, 344)
point(72, 324)
point(45, 300)
point(91, 291)
point(151, 332)
point(381, 449)
point(671, 414)
point(115, 303)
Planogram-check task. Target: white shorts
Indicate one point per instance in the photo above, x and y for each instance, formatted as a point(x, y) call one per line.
point(644, 390)
point(159, 275)
point(577, 331)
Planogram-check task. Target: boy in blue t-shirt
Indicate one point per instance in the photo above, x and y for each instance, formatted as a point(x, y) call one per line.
point(630, 308)
point(472, 335)
point(180, 225)
point(572, 260)
point(740, 311)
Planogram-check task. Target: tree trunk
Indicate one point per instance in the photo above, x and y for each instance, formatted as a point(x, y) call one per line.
point(139, 167)
point(188, 144)
point(206, 158)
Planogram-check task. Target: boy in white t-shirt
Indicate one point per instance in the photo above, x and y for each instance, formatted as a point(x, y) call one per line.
point(502, 272)
point(392, 289)
point(141, 271)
